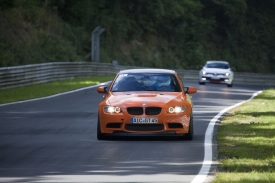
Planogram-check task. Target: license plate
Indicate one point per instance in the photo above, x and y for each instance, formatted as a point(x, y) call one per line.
point(215, 78)
point(144, 120)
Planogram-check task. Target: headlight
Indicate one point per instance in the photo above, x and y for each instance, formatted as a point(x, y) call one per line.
point(111, 109)
point(203, 72)
point(227, 74)
point(176, 109)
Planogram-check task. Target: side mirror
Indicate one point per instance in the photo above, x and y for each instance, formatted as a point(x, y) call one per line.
point(102, 89)
point(190, 90)
point(186, 89)
point(201, 66)
point(233, 69)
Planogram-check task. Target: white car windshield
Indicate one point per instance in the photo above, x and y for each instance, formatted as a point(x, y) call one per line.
point(217, 65)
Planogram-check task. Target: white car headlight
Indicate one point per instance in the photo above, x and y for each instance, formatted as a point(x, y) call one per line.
point(227, 74)
point(203, 72)
point(176, 109)
point(111, 109)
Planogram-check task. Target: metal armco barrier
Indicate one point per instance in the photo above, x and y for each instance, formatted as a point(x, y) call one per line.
point(17, 76)
point(40, 73)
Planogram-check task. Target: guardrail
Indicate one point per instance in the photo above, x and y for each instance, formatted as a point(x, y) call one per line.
point(17, 76)
point(239, 77)
point(46, 72)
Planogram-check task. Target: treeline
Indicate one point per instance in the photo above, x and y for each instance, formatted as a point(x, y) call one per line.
point(151, 33)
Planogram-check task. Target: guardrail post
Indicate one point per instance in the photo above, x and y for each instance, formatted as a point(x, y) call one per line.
point(95, 47)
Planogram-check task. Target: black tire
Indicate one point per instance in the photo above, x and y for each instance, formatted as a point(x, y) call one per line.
point(201, 83)
point(100, 136)
point(190, 134)
point(230, 85)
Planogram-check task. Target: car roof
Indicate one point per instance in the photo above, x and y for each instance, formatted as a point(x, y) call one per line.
point(216, 61)
point(164, 71)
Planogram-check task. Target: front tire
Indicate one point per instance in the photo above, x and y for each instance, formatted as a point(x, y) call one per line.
point(201, 83)
point(190, 134)
point(100, 136)
point(230, 85)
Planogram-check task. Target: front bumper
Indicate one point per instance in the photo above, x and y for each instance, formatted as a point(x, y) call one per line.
point(168, 124)
point(215, 79)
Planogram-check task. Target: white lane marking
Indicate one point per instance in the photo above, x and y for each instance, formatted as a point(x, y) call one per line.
point(207, 162)
point(56, 95)
point(202, 175)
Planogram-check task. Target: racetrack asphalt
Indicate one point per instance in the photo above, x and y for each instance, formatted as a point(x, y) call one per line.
point(54, 140)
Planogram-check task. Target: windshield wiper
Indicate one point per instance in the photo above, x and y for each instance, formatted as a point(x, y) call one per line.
point(118, 90)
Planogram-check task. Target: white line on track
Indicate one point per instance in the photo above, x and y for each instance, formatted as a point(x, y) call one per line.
point(204, 171)
point(207, 162)
point(56, 95)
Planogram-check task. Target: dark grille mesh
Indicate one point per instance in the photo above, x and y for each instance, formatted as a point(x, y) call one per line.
point(113, 125)
point(175, 125)
point(152, 110)
point(144, 127)
point(135, 110)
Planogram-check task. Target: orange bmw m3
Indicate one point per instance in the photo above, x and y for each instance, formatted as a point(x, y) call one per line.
point(146, 102)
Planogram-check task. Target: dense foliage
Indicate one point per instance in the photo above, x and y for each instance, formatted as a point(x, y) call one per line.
point(156, 33)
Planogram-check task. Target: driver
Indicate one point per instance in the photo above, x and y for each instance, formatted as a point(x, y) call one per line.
point(161, 81)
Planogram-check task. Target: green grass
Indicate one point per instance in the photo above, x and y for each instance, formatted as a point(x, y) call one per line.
point(51, 88)
point(246, 139)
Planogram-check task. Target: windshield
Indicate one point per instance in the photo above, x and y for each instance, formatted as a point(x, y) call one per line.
point(146, 82)
point(217, 65)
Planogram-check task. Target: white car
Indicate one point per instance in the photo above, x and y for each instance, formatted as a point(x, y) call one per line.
point(216, 72)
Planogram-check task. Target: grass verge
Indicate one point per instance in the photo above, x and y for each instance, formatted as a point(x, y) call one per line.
point(51, 88)
point(246, 138)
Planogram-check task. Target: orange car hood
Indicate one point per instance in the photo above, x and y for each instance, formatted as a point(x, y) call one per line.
point(150, 99)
